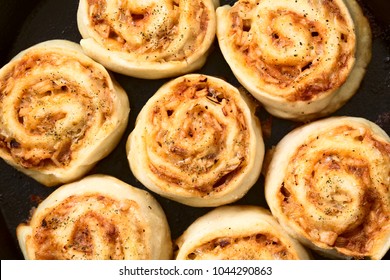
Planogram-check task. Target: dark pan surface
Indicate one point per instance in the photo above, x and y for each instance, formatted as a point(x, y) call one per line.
point(25, 23)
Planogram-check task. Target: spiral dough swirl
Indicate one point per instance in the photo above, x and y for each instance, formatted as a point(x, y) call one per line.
point(302, 59)
point(328, 182)
point(148, 39)
point(197, 141)
point(57, 107)
point(98, 217)
point(238, 232)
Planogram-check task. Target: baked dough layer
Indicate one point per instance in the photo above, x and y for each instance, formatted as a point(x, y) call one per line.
point(301, 59)
point(197, 141)
point(60, 112)
point(237, 233)
point(98, 217)
point(328, 185)
point(148, 39)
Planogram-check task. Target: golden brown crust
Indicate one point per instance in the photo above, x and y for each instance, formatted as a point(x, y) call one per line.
point(147, 39)
point(57, 107)
point(81, 238)
point(238, 233)
point(296, 56)
point(331, 189)
point(98, 217)
point(197, 141)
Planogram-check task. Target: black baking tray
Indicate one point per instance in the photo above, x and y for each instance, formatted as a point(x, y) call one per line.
point(25, 23)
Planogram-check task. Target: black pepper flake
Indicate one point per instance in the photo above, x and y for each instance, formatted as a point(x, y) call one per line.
point(224, 243)
point(307, 66)
point(14, 144)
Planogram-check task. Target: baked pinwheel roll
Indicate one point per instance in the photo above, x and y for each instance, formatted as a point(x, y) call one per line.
point(197, 141)
point(302, 59)
point(328, 185)
point(238, 233)
point(148, 39)
point(98, 217)
point(60, 112)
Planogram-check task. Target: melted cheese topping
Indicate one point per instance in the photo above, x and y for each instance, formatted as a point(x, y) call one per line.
point(334, 189)
point(197, 138)
point(90, 227)
point(237, 233)
point(152, 34)
point(55, 105)
point(256, 247)
point(98, 217)
point(295, 52)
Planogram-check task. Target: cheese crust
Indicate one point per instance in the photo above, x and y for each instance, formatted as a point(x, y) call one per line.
point(148, 39)
point(197, 141)
point(98, 217)
point(60, 112)
point(328, 185)
point(238, 233)
point(301, 59)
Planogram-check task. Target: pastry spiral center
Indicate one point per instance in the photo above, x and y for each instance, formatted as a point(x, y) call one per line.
point(46, 113)
point(90, 227)
point(338, 180)
point(298, 49)
point(153, 30)
point(199, 138)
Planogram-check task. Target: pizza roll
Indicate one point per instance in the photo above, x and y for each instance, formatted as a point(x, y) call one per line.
point(98, 217)
point(302, 59)
point(60, 112)
point(238, 233)
point(328, 185)
point(148, 39)
point(197, 141)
